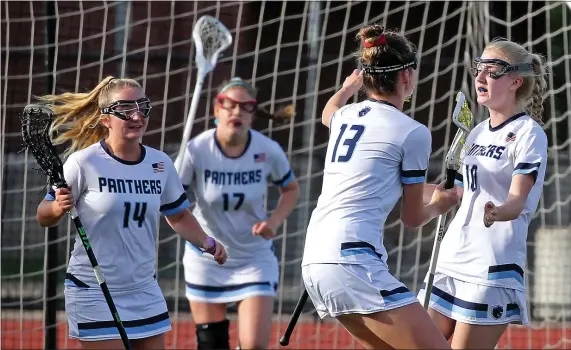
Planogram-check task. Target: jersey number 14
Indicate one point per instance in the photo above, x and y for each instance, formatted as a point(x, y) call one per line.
point(138, 214)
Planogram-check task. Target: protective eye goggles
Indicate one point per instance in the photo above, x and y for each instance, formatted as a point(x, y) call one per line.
point(229, 103)
point(126, 109)
point(496, 68)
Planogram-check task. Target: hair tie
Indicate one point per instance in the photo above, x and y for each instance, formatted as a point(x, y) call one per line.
point(380, 41)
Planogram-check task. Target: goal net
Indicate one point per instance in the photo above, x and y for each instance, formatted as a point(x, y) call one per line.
point(293, 52)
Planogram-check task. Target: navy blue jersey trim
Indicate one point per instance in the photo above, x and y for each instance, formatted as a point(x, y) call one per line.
point(227, 288)
point(506, 267)
point(127, 324)
point(76, 280)
point(174, 204)
point(122, 161)
point(505, 122)
point(283, 179)
point(238, 156)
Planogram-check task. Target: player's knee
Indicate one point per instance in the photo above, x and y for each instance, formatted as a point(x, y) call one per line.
point(213, 335)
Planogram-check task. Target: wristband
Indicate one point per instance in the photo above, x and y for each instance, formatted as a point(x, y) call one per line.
point(210, 244)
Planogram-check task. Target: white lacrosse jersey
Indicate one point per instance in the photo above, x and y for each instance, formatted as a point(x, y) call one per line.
point(118, 203)
point(373, 150)
point(230, 191)
point(494, 256)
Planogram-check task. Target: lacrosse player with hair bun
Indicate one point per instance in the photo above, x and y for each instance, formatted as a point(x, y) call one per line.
point(228, 169)
point(479, 285)
point(119, 187)
point(376, 154)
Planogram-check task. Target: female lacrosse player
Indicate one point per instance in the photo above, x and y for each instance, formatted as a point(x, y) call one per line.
point(375, 153)
point(228, 169)
point(119, 187)
point(479, 285)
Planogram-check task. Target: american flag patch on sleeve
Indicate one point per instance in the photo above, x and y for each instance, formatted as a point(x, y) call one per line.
point(158, 167)
point(259, 157)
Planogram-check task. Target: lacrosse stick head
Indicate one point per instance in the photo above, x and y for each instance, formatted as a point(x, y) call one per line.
point(464, 120)
point(36, 128)
point(210, 38)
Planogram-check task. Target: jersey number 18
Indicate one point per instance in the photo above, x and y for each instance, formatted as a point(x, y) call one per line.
point(471, 175)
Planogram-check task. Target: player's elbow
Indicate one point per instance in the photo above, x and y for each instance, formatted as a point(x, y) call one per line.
point(174, 219)
point(325, 117)
point(412, 220)
point(45, 215)
point(413, 217)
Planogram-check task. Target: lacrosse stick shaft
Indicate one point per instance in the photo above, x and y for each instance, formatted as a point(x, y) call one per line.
point(450, 177)
point(100, 279)
point(190, 119)
point(284, 340)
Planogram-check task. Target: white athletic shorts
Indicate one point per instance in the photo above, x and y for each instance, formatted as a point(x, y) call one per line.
point(208, 282)
point(338, 289)
point(143, 312)
point(475, 303)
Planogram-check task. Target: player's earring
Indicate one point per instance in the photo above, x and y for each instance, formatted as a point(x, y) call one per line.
point(216, 121)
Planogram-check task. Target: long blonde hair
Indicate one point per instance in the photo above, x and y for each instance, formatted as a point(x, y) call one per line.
point(531, 93)
point(78, 114)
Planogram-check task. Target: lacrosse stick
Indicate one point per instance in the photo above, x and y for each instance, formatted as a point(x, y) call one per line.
point(462, 117)
point(284, 340)
point(210, 38)
point(36, 122)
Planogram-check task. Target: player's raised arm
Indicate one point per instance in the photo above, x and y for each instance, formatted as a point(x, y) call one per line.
point(351, 86)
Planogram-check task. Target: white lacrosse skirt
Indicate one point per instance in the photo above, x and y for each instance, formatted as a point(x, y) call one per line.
point(475, 303)
point(208, 282)
point(143, 312)
point(338, 289)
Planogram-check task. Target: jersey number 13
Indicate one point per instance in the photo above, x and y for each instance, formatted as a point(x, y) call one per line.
point(350, 142)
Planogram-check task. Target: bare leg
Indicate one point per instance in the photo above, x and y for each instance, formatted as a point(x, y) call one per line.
point(445, 324)
point(407, 327)
point(470, 336)
point(255, 322)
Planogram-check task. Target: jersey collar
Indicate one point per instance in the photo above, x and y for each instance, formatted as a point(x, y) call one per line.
point(382, 102)
point(506, 122)
point(245, 148)
point(122, 161)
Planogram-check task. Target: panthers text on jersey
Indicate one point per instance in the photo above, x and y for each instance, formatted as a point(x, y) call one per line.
point(373, 150)
point(230, 191)
point(494, 256)
point(119, 203)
